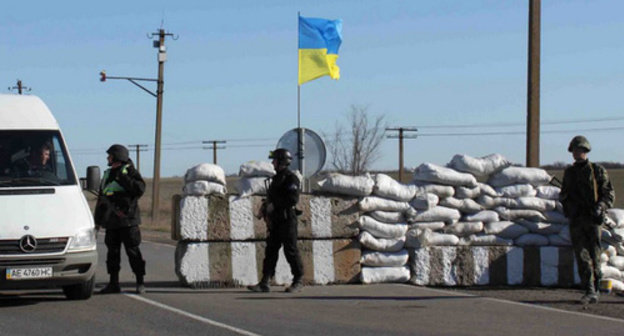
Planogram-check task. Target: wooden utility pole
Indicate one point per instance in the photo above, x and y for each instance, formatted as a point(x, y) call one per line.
point(138, 148)
point(401, 136)
point(19, 87)
point(533, 91)
point(214, 148)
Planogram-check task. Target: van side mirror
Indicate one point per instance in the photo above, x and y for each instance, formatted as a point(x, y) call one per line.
point(93, 178)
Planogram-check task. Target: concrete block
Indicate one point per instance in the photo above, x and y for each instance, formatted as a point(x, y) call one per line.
point(224, 264)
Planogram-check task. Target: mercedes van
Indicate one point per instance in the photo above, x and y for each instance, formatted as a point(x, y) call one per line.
point(47, 234)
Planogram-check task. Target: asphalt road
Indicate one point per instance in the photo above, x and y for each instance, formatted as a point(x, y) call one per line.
point(169, 309)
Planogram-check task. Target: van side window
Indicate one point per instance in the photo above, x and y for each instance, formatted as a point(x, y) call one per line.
point(59, 160)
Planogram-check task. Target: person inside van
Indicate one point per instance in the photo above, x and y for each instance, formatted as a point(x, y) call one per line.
point(38, 163)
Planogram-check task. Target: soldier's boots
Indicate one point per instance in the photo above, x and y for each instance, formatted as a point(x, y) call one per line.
point(260, 287)
point(140, 285)
point(111, 288)
point(295, 287)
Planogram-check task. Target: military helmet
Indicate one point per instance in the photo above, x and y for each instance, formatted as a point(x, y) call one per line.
point(119, 153)
point(580, 142)
point(282, 156)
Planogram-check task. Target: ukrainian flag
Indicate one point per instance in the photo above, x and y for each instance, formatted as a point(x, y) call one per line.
point(319, 40)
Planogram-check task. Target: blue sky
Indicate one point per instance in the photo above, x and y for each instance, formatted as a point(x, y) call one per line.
point(232, 75)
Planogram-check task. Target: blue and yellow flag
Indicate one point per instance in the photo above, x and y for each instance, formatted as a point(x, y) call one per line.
point(319, 41)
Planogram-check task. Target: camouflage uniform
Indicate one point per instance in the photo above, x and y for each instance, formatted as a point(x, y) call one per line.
point(586, 193)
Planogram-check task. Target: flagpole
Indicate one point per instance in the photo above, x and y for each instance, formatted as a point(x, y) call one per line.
point(300, 133)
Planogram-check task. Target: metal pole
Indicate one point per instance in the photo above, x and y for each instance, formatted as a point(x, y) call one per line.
point(138, 159)
point(159, 97)
point(214, 152)
point(19, 86)
point(401, 154)
point(533, 90)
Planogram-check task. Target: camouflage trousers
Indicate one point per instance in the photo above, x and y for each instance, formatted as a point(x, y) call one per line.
point(585, 234)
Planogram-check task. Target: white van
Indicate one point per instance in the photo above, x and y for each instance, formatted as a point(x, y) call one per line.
point(47, 235)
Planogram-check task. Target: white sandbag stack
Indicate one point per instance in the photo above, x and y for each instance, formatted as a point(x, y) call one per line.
point(383, 229)
point(204, 179)
point(254, 178)
point(613, 249)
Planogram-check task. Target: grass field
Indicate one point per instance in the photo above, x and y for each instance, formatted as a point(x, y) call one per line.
point(172, 186)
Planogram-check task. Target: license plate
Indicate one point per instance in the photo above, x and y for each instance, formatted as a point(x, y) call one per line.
point(28, 273)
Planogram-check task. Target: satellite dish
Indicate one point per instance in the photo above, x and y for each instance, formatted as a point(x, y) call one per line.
point(314, 153)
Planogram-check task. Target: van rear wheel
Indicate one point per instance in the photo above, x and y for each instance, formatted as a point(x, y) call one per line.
point(80, 291)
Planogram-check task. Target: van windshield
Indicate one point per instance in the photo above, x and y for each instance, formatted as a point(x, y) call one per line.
point(34, 159)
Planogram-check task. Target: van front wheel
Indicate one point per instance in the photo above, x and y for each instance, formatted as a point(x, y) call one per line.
point(80, 291)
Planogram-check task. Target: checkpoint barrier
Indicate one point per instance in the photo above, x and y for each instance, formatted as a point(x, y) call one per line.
point(221, 242)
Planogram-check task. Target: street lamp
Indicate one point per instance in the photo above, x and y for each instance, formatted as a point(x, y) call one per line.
point(162, 57)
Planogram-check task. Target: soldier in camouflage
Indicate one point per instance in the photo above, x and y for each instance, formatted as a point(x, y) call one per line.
point(586, 194)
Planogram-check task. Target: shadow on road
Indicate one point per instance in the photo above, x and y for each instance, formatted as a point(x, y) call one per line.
point(357, 298)
point(27, 299)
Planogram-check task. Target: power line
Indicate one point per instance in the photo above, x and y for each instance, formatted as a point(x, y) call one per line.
point(512, 124)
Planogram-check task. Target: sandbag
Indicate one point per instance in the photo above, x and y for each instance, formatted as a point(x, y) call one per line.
point(424, 201)
point(347, 185)
point(505, 229)
point(205, 172)
point(535, 203)
point(556, 240)
point(516, 190)
point(488, 240)
point(515, 214)
point(548, 192)
point(464, 205)
point(541, 227)
point(203, 188)
point(610, 251)
point(430, 238)
point(520, 175)
point(617, 262)
point(488, 202)
point(374, 203)
point(380, 244)
point(387, 216)
point(386, 187)
point(433, 226)
point(617, 215)
point(466, 192)
point(370, 275)
point(248, 186)
point(610, 272)
point(488, 190)
point(436, 214)
point(439, 190)
point(485, 216)
point(531, 239)
point(382, 230)
point(430, 172)
point(482, 166)
point(256, 169)
point(384, 259)
point(464, 229)
point(555, 217)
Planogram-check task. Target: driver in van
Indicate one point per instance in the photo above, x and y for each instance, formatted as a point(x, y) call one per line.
point(36, 163)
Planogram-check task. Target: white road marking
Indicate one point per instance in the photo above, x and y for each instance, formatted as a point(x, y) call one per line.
point(612, 319)
point(192, 316)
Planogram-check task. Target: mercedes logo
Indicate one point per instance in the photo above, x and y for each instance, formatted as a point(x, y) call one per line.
point(28, 244)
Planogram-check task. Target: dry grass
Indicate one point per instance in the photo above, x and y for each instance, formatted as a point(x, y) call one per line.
point(173, 185)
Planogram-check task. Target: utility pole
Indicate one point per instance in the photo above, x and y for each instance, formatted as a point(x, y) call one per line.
point(401, 136)
point(162, 57)
point(533, 91)
point(19, 87)
point(214, 148)
point(138, 148)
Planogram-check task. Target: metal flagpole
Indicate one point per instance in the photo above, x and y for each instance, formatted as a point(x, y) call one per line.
point(300, 133)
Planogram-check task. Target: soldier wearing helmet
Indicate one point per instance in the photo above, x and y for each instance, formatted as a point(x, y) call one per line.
point(586, 194)
point(281, 217)
point(117, 211)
